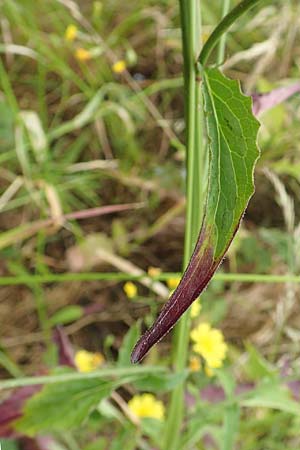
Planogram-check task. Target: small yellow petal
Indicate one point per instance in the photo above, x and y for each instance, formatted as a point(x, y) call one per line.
point(87, 361)
point(154, 271)
point(198, 332)
point(71, 33)
point(195, 309)
point(146, 405)
point(173, 282)
point(82, 54)
point(130, 289)
point(119, 66)
point(195, 364)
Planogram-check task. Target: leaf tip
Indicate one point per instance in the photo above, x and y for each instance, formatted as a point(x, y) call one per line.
point(138, 352)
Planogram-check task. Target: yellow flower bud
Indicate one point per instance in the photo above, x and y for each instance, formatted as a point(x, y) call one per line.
point(195, 364)
point(82, 54)
point(119, 66)
point(154, 271)
point(173, 282)
point(71, 32)
point(130, 289)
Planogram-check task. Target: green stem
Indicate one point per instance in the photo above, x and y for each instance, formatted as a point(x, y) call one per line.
point(222, 43)
point(6, 86)
point(113, 373)
point(223, 26)
point(191, 33)
point(120, 276)
point(11, 367)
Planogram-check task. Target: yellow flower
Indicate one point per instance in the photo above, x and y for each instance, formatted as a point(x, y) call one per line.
point(154, 271)
point(146, 405)
point(173, 283)
point(119, 66)
point(195, 364)
point(82, 54)
point(195, 309)
point(130, 289)
point(71, 33)
point(87, 362)
point(209, 343)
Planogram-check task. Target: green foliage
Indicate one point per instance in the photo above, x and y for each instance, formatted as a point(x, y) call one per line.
point(231, 426)
point(257, 367)
point(66, 315)
point(231, 411)
point(6, 128)
point(99, 444)
point(272, 394)
point(125, 439)
point(164, 382)
point(7, 444)
point(232, 132)
point(62, 406)
point(128, 342)
point(73, 135)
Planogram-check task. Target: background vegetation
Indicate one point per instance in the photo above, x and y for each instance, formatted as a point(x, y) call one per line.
point(91, 116)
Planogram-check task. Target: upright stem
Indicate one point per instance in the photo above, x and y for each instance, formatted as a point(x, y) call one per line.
point(222, 43)
point(191, 35)
point(223, 26)
point(191, 38)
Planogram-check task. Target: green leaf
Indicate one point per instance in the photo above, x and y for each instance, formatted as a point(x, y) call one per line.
point(272, 395)
point(160, 382)
point(128, 342)
point(257, 367)
point(66, 315)
point(232, 133)
point(62, 406)
point(36, 134)
point(197, 429)
point(231, 411)
point(8, 444)
point(6, 126)
point(126, 438)
point(154, 429)
point(230, 426)
point(227, 381)
point(99, 444)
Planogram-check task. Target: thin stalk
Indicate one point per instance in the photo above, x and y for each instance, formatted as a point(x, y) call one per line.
point(120, 276)
point(199, 184)
point(223, 26)
point(222, 43)
point(11, 367)
point(190, 25)
point(113, 373)
point(7, 89)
